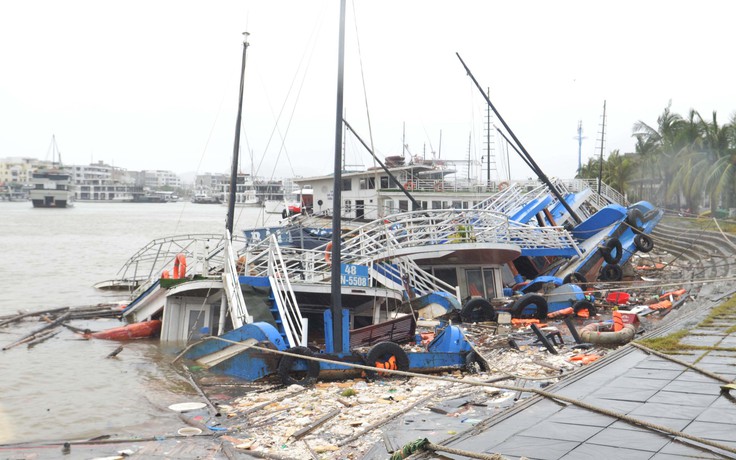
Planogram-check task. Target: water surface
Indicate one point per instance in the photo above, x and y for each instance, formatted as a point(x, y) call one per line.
point(64, 388)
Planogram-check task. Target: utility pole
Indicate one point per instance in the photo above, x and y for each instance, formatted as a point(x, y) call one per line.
point(603, 135)
point(580, 138)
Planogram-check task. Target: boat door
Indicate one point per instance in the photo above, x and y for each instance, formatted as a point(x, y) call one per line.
point(185, 319)
point(359, 209)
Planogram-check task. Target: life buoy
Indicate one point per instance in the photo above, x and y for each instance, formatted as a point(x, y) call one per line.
point(328, 253)
point(503, 186)
point(410, 185)
point(643, 243)
point(439, 187)
point(180, 266)
point(477, 310)
point(603, 334)
point(611, 250)
point(386, 355)
point(528, 300)
point(287, 363)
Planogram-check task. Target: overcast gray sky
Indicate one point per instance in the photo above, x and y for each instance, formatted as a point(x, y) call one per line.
point(153, 84)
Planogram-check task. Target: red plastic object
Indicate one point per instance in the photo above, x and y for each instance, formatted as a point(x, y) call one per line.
point(619, 298)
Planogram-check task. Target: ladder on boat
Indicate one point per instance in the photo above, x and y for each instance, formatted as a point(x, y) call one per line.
point(284, 308)
point(231, 285)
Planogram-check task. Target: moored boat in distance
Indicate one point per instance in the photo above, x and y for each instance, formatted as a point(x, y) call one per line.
point(52, 187)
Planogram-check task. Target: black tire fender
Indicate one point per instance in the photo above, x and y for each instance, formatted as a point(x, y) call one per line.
point(575, 278)
point(287, 363)
point(584, 305)
point(643, 243)
point(612, 272)
point(477, 309)
point(382, 352)
point(530, 299)
point(475, 364)
point(633, 216)
point(611, 250)
point(649, 215)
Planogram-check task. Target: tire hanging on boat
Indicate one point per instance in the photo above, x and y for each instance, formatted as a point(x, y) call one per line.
point(527, 300)
point(477, 310)
point(386, 355)
point(649, 215)
point(575, 278)
point(643, 243)
point(633, 216)
point(612, 272)
point(611, 250)
point(287, 363)
point(582, 305)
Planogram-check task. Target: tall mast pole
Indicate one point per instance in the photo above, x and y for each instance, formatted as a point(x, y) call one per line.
point(603, 135)
point(335, 284)
point(236, 144)
point(488, 142)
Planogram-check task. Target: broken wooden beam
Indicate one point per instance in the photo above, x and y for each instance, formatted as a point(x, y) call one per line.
point(33, 334)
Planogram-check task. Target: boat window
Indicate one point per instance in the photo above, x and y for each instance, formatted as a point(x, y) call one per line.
point(457, 205)
point(368, 183)
point(481, 282)
point(384, 181)
point(448, 275)
point(490, 283)
point(436, 205)
point(347, 184)
point(348, 206)
point(403, 205)
point(474, 278)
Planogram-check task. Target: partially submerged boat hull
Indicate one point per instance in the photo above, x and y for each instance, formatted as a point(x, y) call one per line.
point(142, 330)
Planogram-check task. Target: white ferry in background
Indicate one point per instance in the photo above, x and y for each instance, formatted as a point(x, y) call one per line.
point(52, 188)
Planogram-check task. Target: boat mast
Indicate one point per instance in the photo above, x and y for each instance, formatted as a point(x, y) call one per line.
point(524, 154)
point(335, 285)
point(236, 146)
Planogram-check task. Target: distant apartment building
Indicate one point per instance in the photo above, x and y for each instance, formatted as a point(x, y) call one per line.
point(102, 182)
point(18, 170)
point(160, 178)
point(211, 181)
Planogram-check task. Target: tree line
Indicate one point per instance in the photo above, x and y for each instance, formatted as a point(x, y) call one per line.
point(683, 163)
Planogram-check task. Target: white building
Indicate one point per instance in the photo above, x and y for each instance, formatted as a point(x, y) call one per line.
point(102, 182)
point(155, 179)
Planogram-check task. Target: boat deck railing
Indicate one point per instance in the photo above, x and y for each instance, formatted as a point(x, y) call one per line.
point(231, 283)
point(146, 265)
point(404, 233)
point(290, 316)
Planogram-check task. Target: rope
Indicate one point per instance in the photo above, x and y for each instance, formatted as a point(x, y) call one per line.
point(426, 444)
point(682, 363)
point(465, 453)
point(546, 394)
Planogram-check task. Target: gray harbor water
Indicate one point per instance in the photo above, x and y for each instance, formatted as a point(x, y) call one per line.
point(64, 388)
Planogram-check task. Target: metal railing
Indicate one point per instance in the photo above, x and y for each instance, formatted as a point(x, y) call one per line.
point(295, 330)
point(386, 239)
point(231, 284)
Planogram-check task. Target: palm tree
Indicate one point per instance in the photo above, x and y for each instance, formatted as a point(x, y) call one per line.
point(719, 148)
point(617, 171)
point(665, 142)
